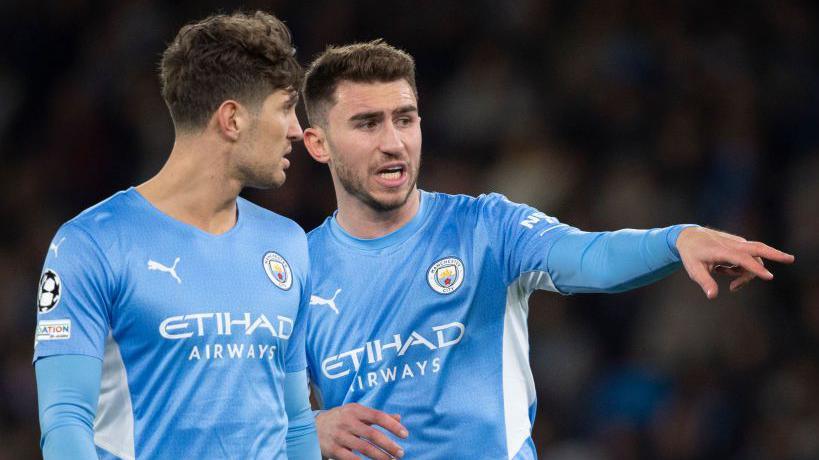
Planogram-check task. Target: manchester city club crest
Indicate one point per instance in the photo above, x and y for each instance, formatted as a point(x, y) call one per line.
point(446, 275)
point(278, 270)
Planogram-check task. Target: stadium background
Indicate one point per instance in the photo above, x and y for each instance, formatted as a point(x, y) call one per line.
point(606, 114)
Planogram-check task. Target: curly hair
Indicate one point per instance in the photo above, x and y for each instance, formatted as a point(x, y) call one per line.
point(368, 62)
point(238, 56)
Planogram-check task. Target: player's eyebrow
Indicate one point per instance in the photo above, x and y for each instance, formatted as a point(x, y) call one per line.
point(378, 116)
point(374, 116)
point(404, 109)
point(293, 99)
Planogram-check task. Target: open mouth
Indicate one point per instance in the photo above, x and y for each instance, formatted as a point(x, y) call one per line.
point(391, 172)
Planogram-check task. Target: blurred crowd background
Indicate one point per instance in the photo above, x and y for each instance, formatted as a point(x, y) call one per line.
point(606, 114)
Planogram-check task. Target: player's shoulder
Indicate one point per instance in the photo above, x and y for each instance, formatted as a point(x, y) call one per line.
point(104, 218)
point(320, 240)
point(490, 209)
point(317, 234)
point(464, 204)
point(269, 221)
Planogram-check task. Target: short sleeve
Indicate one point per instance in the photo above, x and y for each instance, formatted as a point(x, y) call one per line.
point(73, 296)
point(295, 358)
point(520, 238)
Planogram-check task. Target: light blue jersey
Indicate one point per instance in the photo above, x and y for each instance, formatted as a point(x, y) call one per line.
point(195, 331)
point(430, 321)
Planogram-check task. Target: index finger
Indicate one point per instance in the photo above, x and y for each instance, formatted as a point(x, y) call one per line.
point(758, 249)
point(376, 417)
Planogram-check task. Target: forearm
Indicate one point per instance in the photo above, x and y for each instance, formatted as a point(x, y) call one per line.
point(67, 389)
point(68, 442)
point(302, 439)
point(608, 262)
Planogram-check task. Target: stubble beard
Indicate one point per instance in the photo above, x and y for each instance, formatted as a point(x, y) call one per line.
point(261, 174)
point(355, 187)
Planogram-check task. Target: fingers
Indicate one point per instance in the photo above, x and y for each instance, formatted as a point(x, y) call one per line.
point(379, 439)
point(743, 279)
point(730, 270)
point(727, 254)
point(748, 263)
point(362, 445)
point(388, 422)
point(700, 275)
point(340, 453)
point(348, 429)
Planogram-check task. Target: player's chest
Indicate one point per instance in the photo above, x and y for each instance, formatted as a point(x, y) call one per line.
point(377, 322)
point(347, 284)
point(229, 288)
point(424, 295)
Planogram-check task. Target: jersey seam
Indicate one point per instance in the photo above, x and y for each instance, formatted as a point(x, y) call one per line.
point(496, 256)
point(295, 368)
point(116, 275)
point(548, 262)
point(112, 450)
point(388, 250)
point(82, 352)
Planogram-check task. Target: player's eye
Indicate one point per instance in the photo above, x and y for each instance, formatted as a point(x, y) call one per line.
point(367, 124)
point(404, 122)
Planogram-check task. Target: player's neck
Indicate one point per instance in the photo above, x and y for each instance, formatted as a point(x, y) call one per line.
point(194, 187)
point(362, 221)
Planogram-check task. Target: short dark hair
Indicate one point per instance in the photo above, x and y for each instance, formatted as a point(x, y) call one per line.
point(237, 56)
point(369, 62)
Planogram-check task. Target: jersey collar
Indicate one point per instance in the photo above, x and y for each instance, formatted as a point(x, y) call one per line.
point(391, 239)
point(187, 228)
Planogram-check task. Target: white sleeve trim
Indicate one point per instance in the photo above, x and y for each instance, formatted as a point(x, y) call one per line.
point(518, 382)
point(114, 423)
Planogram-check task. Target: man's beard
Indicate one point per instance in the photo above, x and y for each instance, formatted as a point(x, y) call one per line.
point(356, 187)
point(260, 174)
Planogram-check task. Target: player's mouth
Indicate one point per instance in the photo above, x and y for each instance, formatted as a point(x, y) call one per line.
point(392, 174)
point(285, 160)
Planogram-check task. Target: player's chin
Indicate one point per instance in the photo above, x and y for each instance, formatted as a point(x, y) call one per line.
point(271, 181)
point(387, 200)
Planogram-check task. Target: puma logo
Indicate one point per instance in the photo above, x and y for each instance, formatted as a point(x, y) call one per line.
point(153, 265)
point(331, 302)
point(56, 247)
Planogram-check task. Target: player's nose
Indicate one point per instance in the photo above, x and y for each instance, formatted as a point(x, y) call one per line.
point(390, 140)
point(294, 131)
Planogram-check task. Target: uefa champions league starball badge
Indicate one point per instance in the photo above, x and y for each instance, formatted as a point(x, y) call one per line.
point(50, 291)
point(446, 275)
point(278, 270)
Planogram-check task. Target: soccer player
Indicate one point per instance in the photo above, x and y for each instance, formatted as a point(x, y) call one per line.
point(170, 319)
point(419, 299)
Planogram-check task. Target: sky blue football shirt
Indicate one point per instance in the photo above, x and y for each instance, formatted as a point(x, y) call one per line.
point(430, 321)
point(196, 331)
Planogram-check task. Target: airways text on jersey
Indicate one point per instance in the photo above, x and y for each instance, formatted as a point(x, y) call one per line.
point(390, 352)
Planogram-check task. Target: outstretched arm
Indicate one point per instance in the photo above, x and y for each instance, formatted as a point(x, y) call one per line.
point(626, 259)
point(540, 252)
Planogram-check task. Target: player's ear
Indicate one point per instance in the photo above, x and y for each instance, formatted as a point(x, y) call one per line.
point(315, 140)
point(230, 118)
